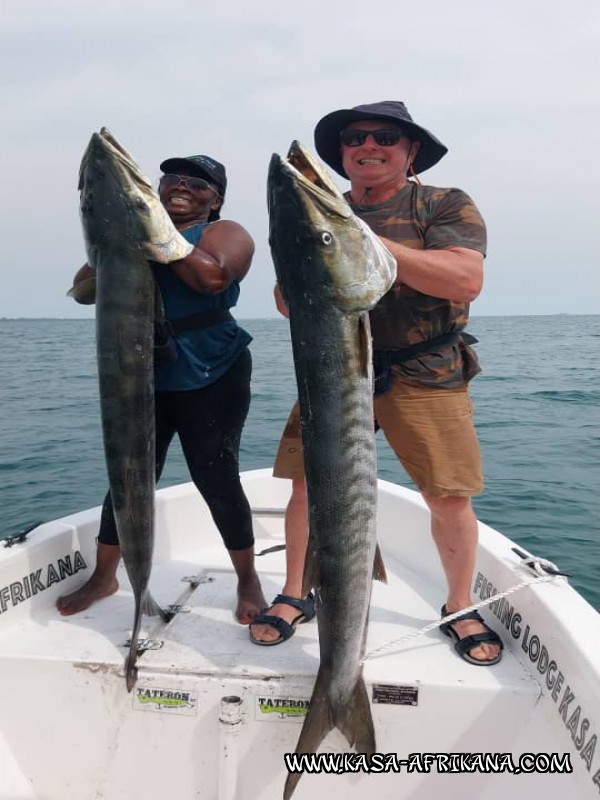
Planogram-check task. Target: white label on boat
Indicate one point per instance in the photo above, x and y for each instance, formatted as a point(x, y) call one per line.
point(395, 695)
point(276, 709)
point(165, 701)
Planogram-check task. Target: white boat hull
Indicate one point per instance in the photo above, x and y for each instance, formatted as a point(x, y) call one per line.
point(69, 729)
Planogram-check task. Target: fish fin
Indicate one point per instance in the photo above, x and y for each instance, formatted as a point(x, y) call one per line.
point(365, 347)
point(355, 721)
point(311, 577)
point(317, 724)
point(84, 291)
point(379, 571)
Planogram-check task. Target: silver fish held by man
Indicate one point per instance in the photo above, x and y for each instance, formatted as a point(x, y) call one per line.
point(331, 269)
point(124, 225)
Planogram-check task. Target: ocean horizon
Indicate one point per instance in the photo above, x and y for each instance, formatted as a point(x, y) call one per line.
point(537, 413)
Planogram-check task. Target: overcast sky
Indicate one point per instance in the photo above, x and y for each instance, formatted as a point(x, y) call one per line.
point(511, 87)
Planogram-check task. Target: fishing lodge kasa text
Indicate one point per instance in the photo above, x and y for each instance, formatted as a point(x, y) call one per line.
point(341, 763)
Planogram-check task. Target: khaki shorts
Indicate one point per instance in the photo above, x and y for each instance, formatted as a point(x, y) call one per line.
point(430, 430)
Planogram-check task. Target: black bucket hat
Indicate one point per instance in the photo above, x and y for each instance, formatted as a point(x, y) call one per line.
point(328, 129)
point(202, 167)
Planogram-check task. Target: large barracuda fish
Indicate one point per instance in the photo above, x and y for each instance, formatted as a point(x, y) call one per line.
point(124, 225)
point(331, 269)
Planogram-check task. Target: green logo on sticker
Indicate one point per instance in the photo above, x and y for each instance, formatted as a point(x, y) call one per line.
point(285, 707)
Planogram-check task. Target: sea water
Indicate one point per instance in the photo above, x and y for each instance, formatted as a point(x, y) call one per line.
point(537, 411)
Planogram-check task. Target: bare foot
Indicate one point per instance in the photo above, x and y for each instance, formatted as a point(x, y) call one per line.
point(82, 598)
point(251, 600)
point(267, 633)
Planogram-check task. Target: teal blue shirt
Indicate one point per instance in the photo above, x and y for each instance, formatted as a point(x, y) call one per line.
point(204, 355)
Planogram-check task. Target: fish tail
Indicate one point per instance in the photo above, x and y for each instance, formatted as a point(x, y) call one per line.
point(131, 671)
point(151, 609)
point(318, 723)
point(354, 720)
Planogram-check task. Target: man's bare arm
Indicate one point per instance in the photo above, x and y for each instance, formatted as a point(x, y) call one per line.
point(455, 273)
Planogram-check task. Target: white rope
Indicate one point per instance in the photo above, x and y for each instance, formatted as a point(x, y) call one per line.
point(534, 564)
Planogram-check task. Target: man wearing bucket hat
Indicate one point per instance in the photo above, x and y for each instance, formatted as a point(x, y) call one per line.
point(422, 359)
point(202, 373)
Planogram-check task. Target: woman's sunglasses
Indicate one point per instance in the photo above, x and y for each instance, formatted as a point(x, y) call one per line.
point(169, 181)
point(385, 137)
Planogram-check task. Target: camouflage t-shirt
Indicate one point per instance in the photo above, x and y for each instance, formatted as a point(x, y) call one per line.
point(425, 218)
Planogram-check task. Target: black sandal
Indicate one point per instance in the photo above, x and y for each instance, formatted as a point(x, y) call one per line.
point(464, 646)
point(286, 629)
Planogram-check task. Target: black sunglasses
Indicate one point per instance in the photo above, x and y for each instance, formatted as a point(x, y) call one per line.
point(384, 137)
point(169, 181)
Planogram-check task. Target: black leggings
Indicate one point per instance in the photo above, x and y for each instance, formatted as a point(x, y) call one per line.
point(209, 424)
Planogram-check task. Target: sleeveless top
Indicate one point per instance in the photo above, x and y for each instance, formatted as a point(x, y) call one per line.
point(203, 355)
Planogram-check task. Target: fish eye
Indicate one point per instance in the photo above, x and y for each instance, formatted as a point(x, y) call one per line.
point(326, 237)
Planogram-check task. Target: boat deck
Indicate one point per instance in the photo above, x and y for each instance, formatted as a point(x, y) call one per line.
point(205, 639)
point(66, 673)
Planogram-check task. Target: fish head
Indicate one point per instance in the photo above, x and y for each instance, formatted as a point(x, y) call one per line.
point(323, 253)
point(118, 203)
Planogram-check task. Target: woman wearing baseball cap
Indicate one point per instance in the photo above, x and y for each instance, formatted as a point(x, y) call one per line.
point(202, 373)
